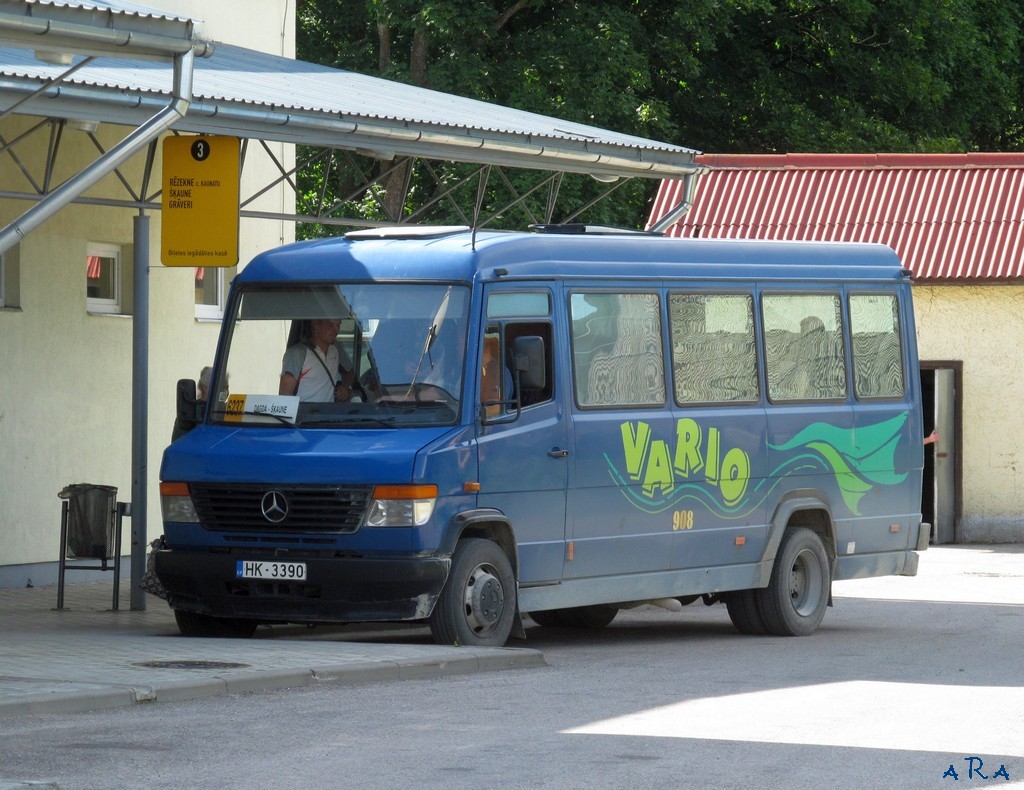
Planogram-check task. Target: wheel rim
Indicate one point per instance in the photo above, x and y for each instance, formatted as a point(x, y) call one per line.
point(805, 583)
point(484, 599)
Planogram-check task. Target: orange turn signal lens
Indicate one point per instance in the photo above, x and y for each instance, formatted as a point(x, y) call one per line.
point(405, 492)
point(173, 489)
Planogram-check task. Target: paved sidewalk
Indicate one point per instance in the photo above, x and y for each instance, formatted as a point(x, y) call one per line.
point(88, 656)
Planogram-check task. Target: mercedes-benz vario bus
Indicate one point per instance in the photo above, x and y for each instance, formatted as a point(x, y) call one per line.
point(463, 428)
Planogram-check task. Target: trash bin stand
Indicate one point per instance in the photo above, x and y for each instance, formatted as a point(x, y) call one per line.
point(63, 553)
point(120, 509)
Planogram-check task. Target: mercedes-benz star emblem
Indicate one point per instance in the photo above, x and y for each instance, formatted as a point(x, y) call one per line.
point(274, 507)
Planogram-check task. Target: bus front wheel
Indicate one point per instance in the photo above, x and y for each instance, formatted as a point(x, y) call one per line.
point(477, 605)
point(793, 603)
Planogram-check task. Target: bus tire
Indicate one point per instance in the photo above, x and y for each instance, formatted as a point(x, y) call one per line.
point(203, 625)
point(743, 611)
point(477, 604)
point(793, 603)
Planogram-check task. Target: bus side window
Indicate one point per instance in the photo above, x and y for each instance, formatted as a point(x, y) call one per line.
point(617, 349)
point(804, 347)
point(877, 346)
point(714, 355)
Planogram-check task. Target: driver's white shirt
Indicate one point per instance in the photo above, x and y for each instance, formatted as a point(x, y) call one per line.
point(310, 367)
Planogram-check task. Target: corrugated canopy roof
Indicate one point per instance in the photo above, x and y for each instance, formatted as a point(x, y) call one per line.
point(246, 93)
point(96, 26)
point(950, 217)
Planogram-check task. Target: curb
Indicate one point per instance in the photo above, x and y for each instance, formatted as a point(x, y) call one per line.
point(254, 681)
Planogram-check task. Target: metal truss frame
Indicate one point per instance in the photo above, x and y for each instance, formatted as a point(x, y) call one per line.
point(360, 178)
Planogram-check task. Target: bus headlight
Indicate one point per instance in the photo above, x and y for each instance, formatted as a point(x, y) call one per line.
point(176, 503)
point(400, 506)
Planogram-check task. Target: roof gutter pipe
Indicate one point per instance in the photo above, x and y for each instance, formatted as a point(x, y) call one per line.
point(115, 157)
point(59, 36)
point(689, 189)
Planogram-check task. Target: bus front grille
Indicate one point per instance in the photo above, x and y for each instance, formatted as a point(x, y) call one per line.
point(260, 507)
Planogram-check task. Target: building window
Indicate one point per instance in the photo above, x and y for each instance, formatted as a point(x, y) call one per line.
point(103, 278)
point(209, 281)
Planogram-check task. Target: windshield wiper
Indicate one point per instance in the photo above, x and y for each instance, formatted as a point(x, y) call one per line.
point(278, 417)
point(345, 419)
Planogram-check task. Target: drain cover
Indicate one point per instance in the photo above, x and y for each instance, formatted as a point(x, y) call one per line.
point(190, 665)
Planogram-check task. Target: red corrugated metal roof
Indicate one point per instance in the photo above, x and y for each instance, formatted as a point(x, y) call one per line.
point(950, 217)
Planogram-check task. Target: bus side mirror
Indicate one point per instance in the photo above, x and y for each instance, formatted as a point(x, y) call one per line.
point(186, 414)
point(528, 359)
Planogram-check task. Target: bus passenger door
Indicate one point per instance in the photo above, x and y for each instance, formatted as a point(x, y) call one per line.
point(717, 513)
point(622, 435)
point(523, 455)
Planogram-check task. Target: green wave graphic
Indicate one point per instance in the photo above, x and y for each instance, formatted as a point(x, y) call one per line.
point(859, 458)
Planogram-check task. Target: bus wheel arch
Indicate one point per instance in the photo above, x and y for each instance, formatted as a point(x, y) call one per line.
point(806, 508)
point(496, 530)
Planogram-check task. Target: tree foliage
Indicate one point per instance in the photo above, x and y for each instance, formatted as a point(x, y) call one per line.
point(750, 76)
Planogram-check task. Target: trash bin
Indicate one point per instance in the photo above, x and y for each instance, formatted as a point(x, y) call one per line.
point(90, 528)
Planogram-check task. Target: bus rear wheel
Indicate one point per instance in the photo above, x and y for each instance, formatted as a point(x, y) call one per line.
point(793, 603)
point(477, 605)
point(743, 611)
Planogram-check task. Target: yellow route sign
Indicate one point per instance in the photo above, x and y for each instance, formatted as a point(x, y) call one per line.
point(199, 220)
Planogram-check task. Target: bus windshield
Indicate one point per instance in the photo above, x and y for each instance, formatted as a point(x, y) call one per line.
point(357, 354)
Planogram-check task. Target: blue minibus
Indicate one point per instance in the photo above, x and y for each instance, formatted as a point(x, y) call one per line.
point(465, 427)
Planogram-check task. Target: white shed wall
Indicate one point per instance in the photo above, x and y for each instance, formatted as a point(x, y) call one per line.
point(65, 393)
point(981, 326)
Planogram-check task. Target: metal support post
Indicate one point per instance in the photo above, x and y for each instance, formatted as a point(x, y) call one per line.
point(140, 407)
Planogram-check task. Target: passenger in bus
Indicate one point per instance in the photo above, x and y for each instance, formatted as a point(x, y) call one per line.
point(820, 361)
point(203, 384)
point(317, 368)
point(496, 383)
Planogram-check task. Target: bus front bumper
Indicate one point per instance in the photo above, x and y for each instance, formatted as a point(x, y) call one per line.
point(334, 590)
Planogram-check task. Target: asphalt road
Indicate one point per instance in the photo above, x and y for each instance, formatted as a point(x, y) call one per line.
point(907, 681)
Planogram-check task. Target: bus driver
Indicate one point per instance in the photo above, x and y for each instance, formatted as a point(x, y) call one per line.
point(317, 368)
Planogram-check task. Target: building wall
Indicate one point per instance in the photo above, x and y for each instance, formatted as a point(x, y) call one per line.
point(981, 326)
point(66, 390)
